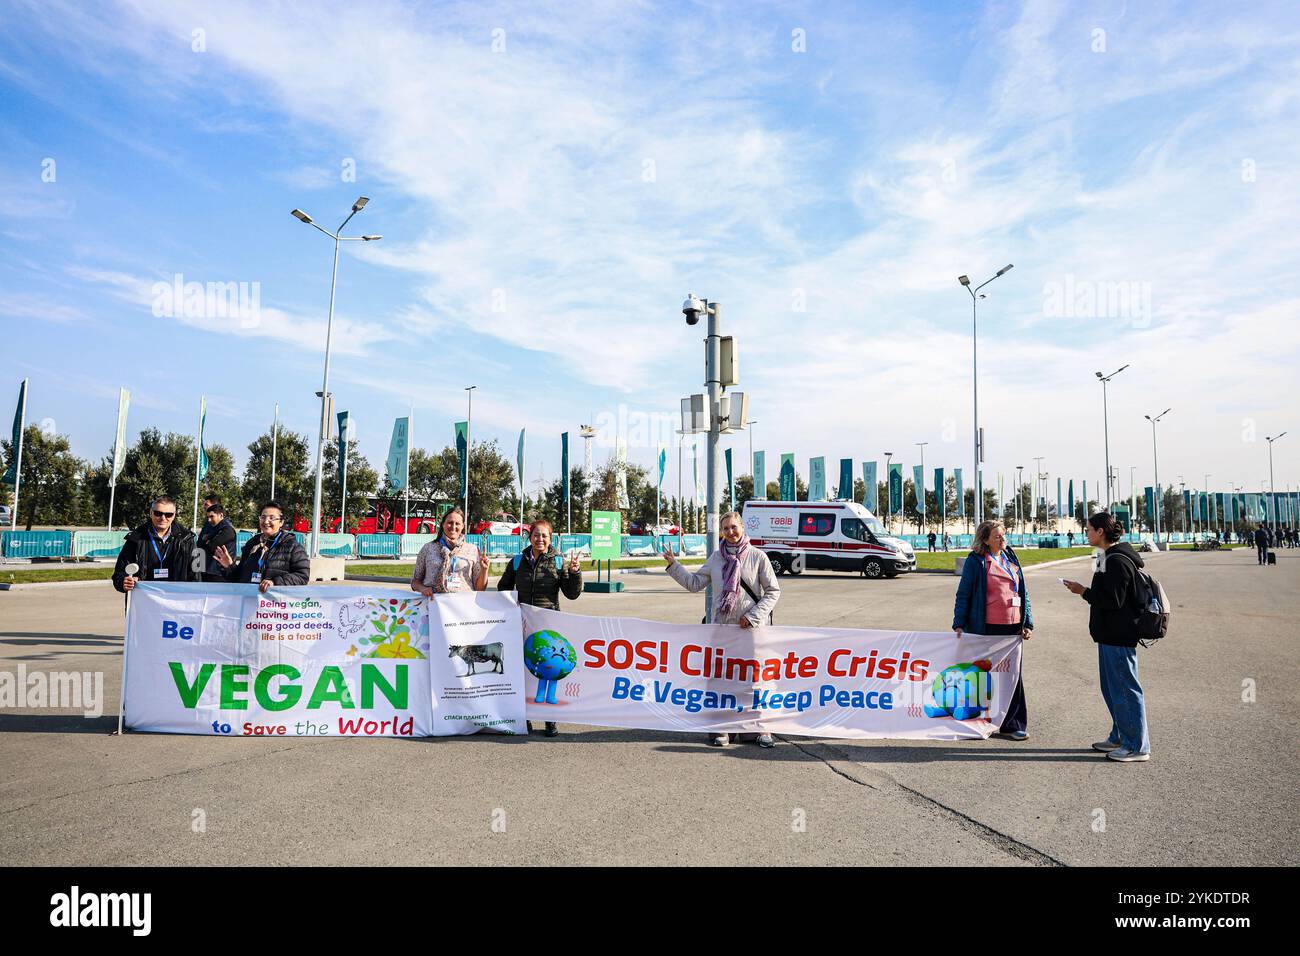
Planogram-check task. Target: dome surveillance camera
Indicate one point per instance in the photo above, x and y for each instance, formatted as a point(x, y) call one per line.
point(692, 308)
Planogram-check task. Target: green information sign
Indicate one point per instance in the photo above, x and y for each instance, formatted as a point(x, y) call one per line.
point(606, 535)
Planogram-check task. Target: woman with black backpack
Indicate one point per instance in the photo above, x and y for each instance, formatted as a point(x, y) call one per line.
point(1112, 621)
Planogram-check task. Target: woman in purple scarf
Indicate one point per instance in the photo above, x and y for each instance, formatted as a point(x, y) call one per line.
point(744, 587)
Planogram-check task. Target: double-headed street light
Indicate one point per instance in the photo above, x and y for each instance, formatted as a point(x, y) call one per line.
point(1155, 467)
point(1105, 420)
point(974, 323)
point(1272, 492)
point(329, 330)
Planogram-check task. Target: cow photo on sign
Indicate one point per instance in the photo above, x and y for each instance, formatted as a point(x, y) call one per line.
point(472, 655)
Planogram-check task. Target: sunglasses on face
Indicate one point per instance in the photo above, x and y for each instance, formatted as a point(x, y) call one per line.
point(164, 514)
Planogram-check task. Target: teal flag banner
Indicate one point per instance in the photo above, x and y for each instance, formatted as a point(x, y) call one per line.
point(940, 495)
point(918, 482)
point(16, 442)
point(564, 466)
point(961, 493)
point(760, 474)
point(203, 452)
point(731, 479)
point(462, 457)
point(343, 448)
point(397, 454)
point(787, 477)
point(871, 490)
point(817, 479)
point(844, 491)
point(895, 489)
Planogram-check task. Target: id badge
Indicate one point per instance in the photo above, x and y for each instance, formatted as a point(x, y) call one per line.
point(160, 574)
point(1015, 601)
point(256, 578)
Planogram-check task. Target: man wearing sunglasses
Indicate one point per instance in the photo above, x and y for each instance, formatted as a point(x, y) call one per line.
point(162, 547)
point(272, 557)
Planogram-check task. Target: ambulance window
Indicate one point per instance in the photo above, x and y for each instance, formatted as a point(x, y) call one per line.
point(816, 525)
point(853, 528)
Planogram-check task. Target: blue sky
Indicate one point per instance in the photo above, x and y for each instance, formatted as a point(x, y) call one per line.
point(550, 181)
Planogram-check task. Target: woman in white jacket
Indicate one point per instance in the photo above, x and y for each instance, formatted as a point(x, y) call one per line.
point(744, 587)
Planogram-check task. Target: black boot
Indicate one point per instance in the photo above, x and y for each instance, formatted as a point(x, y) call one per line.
point(551, 729)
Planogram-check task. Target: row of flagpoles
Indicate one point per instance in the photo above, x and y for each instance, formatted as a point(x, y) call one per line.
point(1208, 509)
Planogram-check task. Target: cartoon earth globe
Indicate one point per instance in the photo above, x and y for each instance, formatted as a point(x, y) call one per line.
point(548, 655)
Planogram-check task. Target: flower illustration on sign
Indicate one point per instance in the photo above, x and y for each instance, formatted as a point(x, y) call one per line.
point(390, 621)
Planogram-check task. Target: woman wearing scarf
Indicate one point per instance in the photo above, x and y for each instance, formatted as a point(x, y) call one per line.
point(450, 563)
point(272, 558)
point(992, 600)
point(744, 588)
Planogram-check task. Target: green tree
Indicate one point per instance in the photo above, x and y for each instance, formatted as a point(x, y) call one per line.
point(155, 465)
point(49, 482)
point(362, 482)
point(436, 477)
point(295, 481)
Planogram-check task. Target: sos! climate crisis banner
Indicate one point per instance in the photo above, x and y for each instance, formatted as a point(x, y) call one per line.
point(293, 662)
point(821, 682)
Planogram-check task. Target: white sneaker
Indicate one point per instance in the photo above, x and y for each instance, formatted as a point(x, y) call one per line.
point(719, 740)
point(766, 740)
point(1127, 756)
point(1105, 746)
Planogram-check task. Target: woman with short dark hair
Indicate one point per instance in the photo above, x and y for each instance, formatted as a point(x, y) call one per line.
point(539, 574)
point(992, 600)
point(272, 558)
point(1112, 621)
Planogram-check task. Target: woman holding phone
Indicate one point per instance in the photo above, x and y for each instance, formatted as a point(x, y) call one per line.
point(992, 600)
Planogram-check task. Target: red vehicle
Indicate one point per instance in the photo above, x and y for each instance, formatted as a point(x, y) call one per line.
point(385, 516)
point(502, 524)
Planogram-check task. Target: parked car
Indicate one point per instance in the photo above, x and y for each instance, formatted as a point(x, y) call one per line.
point(502, 524)
point(6, 516)
point(826, 536)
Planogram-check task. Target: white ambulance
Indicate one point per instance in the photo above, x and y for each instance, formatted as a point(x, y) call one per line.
point(825, 536)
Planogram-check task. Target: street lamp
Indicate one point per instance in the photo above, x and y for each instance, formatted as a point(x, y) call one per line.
point(974, 324)
point(1040, 480)
point(753, 472)
point(469, 448)
point(889, 484)
point(1105, 420)
point(1155, 467)
point(329, 330)
point(920, 492)
point(1020, 511)
point(1272, 492)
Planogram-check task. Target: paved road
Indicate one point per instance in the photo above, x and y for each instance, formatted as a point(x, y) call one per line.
point(1220, 788)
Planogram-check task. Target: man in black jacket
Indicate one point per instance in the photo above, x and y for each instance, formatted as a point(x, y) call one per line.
point(216, 532)
point(1261, 544)
point(271, 559)
point(163, 549)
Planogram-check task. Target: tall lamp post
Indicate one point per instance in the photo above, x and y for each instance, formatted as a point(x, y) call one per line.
point(1040, 480)
point(469, 449)
point(1182, 495)
point(1020, 510)
point(1105, 422)
point(920, 492)
point(1155, 467)
point(1272, 492)
point(975, 383)
point(888, 485)
point(329, 331)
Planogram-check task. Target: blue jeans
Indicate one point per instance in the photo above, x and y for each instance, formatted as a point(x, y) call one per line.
point(1123, 695)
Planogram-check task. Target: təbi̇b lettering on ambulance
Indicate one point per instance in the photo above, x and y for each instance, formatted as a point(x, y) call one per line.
point(826, 536)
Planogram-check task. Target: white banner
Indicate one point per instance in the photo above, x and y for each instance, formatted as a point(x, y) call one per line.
point(477, 664)
point(293, 662)
point(820, 682)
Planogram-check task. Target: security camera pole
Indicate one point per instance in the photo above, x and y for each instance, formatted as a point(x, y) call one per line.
point(692, 309)
point(974, 332)
point(329, 331)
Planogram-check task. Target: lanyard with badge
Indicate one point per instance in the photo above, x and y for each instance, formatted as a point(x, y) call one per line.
point(160, 570)
point(1008, 569)
point(256, 577)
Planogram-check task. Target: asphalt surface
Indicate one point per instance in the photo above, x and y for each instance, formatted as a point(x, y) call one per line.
point(1220, 788)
